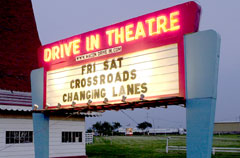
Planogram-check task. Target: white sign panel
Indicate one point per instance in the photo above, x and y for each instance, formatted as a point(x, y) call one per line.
point(153, 72)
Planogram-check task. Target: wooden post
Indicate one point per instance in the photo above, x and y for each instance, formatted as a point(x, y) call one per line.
point(167, 145)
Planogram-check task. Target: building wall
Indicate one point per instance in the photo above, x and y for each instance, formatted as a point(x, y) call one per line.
point(59, 149)
point(227, 127)
point(56, 147)
point(19, 43)
point(15, 150)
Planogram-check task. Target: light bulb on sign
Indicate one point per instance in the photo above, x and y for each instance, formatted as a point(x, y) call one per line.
point(124, 99)
point(59, 105)
point(73, 104)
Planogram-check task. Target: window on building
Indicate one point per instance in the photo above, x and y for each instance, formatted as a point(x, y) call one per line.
point(71, 137)
point(15, 137)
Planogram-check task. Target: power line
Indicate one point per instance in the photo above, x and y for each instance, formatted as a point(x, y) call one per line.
point(129, 117)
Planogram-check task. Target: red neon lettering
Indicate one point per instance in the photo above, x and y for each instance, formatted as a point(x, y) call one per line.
point(68, 48)
point(140, 30)
point(129, 32)
point(150, 23)
point(150, 27)
point(119, 35)
point(93, 42)
point(110, 36)
point(62, 50)
point(162, 24)
point(55, 52)
point(174, 21)
point(76, 46)
point(47, 54)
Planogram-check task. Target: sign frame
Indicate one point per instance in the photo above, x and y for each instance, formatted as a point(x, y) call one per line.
point(189, 23)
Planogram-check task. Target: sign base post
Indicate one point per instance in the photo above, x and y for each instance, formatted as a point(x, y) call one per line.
point(41, 135)
point(200, 124)
point(40, 120)
point(201, 67)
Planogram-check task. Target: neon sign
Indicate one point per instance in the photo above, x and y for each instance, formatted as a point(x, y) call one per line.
point(143, 55)
point(156, 25)
point(168, 22)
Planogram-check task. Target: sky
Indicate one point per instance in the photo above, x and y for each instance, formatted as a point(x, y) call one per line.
point(59, 19)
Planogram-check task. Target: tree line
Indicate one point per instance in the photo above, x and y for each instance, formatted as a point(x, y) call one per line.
point(107, 128)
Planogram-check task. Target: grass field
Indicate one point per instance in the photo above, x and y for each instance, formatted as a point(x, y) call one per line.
point(152, 146)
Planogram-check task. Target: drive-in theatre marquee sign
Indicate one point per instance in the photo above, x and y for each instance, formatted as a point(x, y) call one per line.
point(141, 57)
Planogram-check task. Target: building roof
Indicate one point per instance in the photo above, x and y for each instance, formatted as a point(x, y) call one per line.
point(227, 122)
point(19, 43)
point(16, 101)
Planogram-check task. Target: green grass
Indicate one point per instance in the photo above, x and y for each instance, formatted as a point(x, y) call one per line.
point(151, 146)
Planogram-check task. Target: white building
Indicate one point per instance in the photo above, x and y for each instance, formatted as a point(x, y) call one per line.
point(66, 133)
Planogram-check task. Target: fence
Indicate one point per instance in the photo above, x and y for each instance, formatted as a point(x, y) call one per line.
point(88, 138)
point(221, 149)
point(214, 149)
